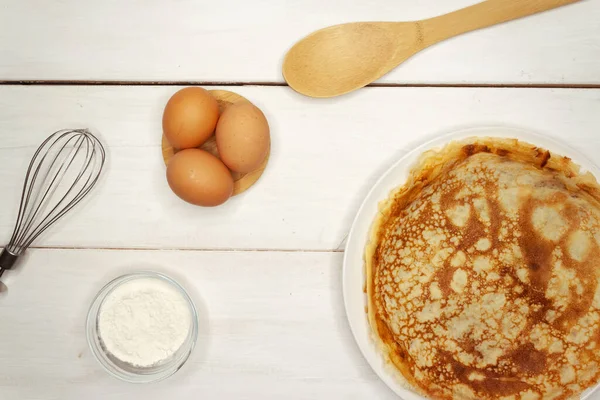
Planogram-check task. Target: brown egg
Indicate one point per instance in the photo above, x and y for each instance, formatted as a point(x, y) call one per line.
point(190, 117)
point(242, 137)
point(200, 178)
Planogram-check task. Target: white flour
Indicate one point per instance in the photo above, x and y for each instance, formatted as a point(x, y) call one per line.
point(144, 321)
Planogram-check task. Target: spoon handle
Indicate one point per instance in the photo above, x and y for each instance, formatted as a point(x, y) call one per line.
point(481, 15)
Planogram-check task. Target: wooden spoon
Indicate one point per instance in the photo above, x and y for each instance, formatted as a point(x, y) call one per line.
point(343, 58)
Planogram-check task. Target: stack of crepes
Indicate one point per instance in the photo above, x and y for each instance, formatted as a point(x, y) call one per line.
point(483, 274)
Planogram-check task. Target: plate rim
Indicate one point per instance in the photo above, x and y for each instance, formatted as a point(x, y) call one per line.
point(362, 223)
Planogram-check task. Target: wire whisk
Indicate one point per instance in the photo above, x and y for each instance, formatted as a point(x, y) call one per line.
point(63, 170)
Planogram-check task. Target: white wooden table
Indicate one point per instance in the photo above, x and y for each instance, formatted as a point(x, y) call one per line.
point(264, 269)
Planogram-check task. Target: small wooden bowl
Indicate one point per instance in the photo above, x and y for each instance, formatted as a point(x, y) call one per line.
point(241, 182)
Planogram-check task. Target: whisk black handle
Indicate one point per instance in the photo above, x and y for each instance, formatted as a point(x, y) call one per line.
point(7, 260)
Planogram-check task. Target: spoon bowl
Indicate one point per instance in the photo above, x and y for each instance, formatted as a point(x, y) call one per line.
point(341, 58)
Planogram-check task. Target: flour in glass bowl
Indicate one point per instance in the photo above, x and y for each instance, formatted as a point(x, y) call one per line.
point(144, 321)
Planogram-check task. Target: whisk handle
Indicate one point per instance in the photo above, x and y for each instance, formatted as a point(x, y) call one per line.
point(7, 260)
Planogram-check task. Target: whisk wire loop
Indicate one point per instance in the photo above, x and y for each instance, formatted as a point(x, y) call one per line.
point(63, 170)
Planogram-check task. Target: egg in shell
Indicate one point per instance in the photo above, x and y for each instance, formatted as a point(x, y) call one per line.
point(190, 117)
point(199, 178)
point(242, 137)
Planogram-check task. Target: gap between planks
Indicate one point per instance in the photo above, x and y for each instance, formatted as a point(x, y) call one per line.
point(282, 84)
point(212, 250)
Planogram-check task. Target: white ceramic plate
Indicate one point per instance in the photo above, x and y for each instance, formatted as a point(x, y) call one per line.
point(353, 271)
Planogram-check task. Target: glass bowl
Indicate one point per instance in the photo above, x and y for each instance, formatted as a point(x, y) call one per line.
point(126, 371)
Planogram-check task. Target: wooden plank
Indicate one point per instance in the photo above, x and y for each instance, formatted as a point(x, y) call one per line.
point(272, 326)
point(241, 41)
point(325, 156)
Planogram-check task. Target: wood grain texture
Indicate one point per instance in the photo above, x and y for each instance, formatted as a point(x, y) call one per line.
point(241, 181)
point(241, 41)
point(339, 59)
point(310, 193)
point(272, 326)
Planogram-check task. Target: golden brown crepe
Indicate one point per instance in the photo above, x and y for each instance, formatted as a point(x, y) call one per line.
point(483, 274)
